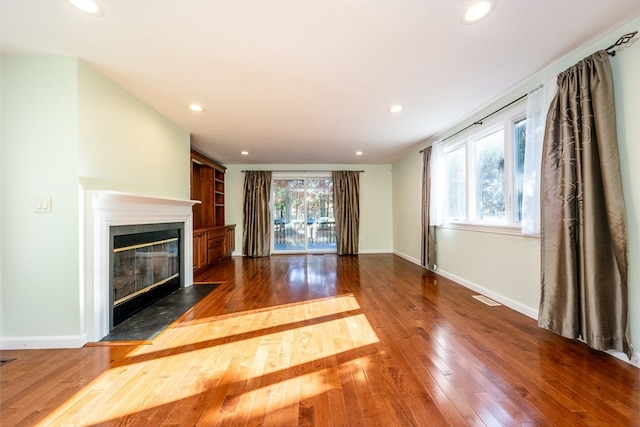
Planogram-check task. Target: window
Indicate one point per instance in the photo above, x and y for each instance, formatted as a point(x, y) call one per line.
point(303, 214)
point(483, 175)
point(519, 137)
point(456, 184)
point(489, 177)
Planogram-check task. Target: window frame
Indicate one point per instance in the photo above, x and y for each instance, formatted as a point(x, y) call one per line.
point(305, 177)
point(504, 120)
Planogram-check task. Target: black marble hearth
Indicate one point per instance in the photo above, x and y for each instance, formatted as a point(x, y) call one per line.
point(148, 323)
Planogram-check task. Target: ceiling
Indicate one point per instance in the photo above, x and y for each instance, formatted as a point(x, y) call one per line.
point(302, 81)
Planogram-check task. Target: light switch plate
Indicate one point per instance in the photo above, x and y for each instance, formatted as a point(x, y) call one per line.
point(43, 204)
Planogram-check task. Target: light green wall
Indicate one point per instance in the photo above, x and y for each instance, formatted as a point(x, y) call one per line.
point(407, 187)
point(498, 265)
point(40, 266)
point(65, 124)
point(626, 70)
point(505, 266)
point(375, 201)
point(125, 145)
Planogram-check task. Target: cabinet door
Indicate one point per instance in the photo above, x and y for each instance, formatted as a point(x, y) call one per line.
point(215, 245)
point(199, 250)
point(229, 240)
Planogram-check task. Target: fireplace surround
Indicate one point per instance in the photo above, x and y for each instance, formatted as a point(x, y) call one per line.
point(106, 211)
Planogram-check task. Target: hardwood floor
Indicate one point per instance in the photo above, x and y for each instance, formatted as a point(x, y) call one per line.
point(322, 341)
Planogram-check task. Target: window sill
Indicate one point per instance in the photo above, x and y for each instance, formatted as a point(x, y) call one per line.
point(486, 228)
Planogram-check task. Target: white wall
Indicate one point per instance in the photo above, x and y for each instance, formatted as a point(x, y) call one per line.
point(508, 267)
point(375, 201)
point(64, 124)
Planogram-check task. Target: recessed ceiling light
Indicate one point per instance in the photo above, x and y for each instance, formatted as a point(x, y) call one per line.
point(478, 10)
point(197, 108)
point(244, 153)
point(358, 153)
point(88, 6)
point(395, 109)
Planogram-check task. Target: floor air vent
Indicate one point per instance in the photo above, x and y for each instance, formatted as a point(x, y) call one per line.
point(487, 301)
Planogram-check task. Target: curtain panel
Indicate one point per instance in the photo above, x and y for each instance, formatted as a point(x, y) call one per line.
point(436, 174)
point(428, 247)
point(538, 102)
point(256, 231)
point(584, 243)
point(346, 201)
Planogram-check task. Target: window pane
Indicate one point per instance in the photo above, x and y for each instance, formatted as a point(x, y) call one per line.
point(518, 172)
point(289, 222)
point(303, 215)
point(489, 168)
point(321, 231)
point(456, 184)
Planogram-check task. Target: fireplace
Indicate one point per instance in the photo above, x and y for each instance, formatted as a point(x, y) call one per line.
point(145, 266)
point(109, 214)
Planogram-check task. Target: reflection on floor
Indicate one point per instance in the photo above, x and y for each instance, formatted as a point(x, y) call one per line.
point(327, 247)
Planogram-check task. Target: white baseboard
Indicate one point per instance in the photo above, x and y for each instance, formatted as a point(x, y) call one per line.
point(375, 251)
point(635, 360)
point(407, 257)
point(515, 305)
point(32, 343)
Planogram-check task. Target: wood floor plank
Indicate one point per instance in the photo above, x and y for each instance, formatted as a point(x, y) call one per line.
point(368, 340)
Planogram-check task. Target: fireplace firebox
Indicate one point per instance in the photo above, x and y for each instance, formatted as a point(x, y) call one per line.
point(145, 266)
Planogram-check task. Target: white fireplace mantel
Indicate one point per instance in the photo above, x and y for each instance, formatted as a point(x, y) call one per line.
point(104, 209)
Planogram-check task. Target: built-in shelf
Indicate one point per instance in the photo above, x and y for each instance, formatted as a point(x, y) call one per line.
point(213, 240)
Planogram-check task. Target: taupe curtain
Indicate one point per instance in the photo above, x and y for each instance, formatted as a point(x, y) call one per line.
point(256, 231)
point(428, 248)
point(583, 226)
point(346, 202)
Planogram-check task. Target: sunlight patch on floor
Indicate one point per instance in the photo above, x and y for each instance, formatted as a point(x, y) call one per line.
point(238, 325)
point(275, 354)
point(289, 392)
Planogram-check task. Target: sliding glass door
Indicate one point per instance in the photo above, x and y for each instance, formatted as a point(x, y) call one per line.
point(303, 214)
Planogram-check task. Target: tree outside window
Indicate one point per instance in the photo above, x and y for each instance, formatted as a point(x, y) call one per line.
point(483, 176)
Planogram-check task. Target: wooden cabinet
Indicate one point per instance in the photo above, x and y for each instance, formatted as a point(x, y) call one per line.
point(215, 244)
point(207, 186)
point(212, 244)
point(199, 250)
point(230, 239)
point(218, 197)
point(213, 240)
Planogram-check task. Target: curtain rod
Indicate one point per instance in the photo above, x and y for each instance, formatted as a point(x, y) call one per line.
point(610, 50)
point(621, 41)
point(303, 171)
point(479, 122)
